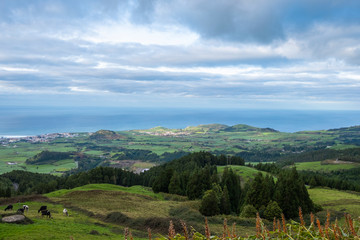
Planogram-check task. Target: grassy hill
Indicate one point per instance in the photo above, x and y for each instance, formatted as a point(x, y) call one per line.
point(244, 172)
point(108, 209)
point(99, 211)
point(338, 202)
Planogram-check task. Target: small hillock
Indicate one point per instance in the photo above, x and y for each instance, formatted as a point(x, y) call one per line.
point(106, 135)
point(247, 128)
point(47, 157)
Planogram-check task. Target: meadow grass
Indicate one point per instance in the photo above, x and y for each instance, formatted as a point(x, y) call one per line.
point(140, 190)
point(246, 173)
point(332, 199)
point(76, 225)
point(144, 165)
point(317, 166)
point(105, 202)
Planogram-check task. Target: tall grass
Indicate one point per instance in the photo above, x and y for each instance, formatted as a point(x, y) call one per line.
point(281, 230)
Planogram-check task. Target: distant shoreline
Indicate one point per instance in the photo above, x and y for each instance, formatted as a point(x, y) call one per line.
point(33, 122)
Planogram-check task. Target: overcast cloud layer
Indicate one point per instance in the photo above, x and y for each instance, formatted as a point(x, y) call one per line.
point(232, 53)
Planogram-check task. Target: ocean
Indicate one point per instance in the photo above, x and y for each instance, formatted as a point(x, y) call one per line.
point(29, 121)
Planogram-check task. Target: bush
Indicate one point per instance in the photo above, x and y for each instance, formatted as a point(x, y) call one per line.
point(272, 210)
point(249, 211)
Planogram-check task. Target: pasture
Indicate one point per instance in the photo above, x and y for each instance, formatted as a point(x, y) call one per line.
point(347, 202)
point(76, 226)
point(245, 173)
point(318, 166)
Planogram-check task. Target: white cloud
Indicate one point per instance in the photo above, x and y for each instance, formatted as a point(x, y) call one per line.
point(125, 32)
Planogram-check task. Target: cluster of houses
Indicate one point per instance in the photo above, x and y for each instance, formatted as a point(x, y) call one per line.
point(5, 140)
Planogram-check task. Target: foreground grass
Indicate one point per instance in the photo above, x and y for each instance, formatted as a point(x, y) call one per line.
point(77, 225)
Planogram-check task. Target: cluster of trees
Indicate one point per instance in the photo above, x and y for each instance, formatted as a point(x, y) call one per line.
point(46, 157)
point(36, 183)
point(224, 196)
point(5, 187)
point(341, 179)
point(261, 195)
point(190, 175)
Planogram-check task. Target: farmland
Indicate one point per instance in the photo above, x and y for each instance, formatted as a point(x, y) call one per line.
point(153, 146)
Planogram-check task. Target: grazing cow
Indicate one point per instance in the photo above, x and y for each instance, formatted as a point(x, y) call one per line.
point(20, 210)
point(26, 207)
point(46, 213)
point(65, 211)
point(9, 207)
point(42, 208)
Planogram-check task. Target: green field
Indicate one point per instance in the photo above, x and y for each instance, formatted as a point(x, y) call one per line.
point(77, 225)
point(244, 172)
point(332, 199)
point(317, 166)
point(140, 190)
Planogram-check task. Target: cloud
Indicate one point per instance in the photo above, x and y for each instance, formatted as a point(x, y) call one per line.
point(188, 52)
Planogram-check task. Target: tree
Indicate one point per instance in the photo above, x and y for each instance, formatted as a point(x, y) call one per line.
point(8, 192)
point(209, 205)
point(232, 182)
point(225, 206)
point(174, 185)
point(272, 210)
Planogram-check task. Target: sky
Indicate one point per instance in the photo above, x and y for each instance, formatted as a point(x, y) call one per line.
point(258, 54)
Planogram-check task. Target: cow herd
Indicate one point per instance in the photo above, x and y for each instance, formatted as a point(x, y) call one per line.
point(43, 209)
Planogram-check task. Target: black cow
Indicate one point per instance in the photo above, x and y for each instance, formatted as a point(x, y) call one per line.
point(9, 207)
point(46, 213)
point(20, 210)
point(42, 208)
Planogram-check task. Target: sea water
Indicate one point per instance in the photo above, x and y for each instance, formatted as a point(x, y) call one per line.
point(41, 120)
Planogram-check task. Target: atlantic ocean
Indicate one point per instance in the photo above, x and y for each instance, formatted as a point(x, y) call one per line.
point(28, 121)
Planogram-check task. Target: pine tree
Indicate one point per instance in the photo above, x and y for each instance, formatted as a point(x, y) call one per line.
point(260, 191)
point(225, 206)
point(209, 205)
point(232, 182)
point(174, 185)
point(8, 192)
point(272, 210)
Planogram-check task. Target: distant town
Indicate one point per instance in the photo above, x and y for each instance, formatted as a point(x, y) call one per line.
point(5, 140)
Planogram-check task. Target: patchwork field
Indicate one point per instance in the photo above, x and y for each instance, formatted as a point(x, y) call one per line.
point(152, 146)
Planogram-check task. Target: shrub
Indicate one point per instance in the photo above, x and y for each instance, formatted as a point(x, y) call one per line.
point(272, 210)
point(249, 211)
